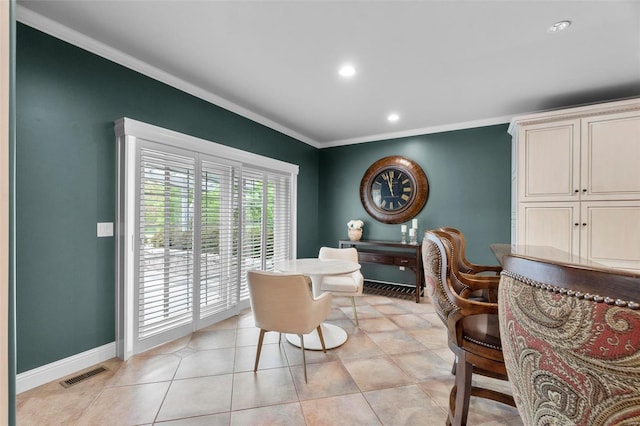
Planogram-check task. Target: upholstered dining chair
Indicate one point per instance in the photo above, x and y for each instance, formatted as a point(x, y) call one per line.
point(349, 285)
point(571, 342)
point(283, 303)
point(472, 325)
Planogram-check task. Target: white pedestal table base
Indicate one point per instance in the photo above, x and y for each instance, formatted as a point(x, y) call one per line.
point(333, 335)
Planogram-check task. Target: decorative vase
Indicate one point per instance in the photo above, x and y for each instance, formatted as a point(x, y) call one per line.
point(355, 234)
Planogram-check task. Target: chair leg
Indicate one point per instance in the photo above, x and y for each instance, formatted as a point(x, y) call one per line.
point(460, 408)
point(260, 339)
point(355, 313)
point(304, 359)
point(324, 349)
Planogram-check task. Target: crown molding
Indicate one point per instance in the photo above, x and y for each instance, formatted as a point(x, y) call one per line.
point(576, 112)
point(89, 44)
point(421, 131)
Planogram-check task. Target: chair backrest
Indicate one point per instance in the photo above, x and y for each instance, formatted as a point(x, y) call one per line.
point(350, 254)
point(434, 260)
point(451, 250)
point(572, 354)
point(281, 302)
point(462, 263)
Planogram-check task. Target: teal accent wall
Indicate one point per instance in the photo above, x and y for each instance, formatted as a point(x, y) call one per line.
point(469, 174)
point(67, 101)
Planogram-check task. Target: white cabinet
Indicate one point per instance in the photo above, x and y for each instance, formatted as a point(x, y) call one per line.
point(550, 224)
point(577, 182)
point(610, 157)
point(610, 233)
point(549, 161)
point(605, 232)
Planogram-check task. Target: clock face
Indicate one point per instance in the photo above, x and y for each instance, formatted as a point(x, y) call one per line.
point(394, 189)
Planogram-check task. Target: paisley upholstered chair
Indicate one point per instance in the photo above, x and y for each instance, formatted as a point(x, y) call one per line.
point(571, 342)
point(283, 303)
point(349, 285)
point(472, 325)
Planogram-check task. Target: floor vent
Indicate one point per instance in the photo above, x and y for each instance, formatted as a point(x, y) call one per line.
point(385, 289)
point(84, 376)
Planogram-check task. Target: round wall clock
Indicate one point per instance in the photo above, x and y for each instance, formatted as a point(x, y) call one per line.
point(394, 189)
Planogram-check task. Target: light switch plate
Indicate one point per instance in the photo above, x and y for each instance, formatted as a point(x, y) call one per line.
point(105, 229)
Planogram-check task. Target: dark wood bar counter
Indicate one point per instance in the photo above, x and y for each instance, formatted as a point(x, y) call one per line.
point(556, 267)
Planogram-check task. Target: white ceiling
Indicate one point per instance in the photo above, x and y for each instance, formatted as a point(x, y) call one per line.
point(440, 65)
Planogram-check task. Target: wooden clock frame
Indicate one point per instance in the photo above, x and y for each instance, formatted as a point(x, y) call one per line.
point(416, 201)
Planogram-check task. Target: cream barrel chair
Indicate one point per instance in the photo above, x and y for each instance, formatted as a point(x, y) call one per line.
point(283, 303)
point(350, 285)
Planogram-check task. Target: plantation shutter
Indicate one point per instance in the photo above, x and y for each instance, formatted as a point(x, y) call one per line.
point(252, 226)
point(266, 221)
point(165, 255)
point(219, 284)
point(279, 229)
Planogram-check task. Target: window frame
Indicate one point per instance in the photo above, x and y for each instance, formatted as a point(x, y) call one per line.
point(131, 135)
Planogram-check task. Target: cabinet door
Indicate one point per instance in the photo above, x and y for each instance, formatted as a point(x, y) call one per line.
point(611, 157)
point(549, 161)
point(550, 224)
point(610, 233)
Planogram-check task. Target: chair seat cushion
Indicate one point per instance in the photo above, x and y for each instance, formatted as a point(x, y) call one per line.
point(483, 330)
point(339, 284)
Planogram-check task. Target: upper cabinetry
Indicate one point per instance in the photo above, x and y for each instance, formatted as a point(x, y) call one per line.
point(576, 182)
point(579, 157)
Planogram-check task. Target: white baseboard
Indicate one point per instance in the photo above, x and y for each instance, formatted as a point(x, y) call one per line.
point(56, 370)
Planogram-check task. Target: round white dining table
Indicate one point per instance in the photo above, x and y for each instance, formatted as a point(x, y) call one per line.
point(316, 269)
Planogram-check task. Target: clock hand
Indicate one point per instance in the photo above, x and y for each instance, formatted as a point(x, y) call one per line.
point(389, 182)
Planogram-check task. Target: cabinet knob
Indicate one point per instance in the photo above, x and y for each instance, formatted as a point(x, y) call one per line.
point(576, 224)
point(584, 224)
point(576, 191)
point(584, 191)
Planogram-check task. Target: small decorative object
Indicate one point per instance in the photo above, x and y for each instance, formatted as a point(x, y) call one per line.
point(403, 229)
point(354, 229)
point(413, 236)
point(414, 228)
point(394, 189)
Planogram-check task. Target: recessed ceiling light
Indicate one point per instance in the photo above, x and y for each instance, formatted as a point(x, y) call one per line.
point(393, 117)
point(559, 26)
point(347, 71)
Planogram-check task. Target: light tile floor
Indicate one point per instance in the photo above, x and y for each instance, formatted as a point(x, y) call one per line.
point(395, 369)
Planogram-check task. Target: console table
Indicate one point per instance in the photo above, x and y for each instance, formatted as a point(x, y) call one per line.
point(390, 253)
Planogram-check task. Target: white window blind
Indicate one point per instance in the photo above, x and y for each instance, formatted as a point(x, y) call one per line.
point(218, 239)
point(165, 256)
point(279, 232)
point(193, 218)
point(266, 221)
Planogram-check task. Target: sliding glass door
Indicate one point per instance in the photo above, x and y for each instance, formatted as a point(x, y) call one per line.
point(198, 223)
